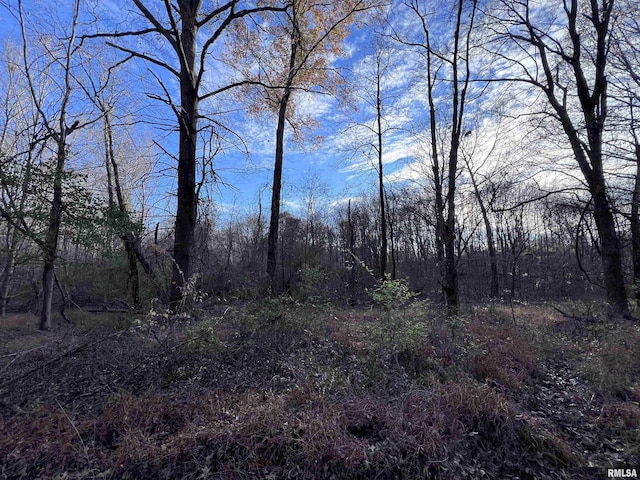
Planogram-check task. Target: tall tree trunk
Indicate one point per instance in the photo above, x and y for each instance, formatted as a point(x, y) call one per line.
point(276, 190)
point(50, 245)
point(458, 96)
point(383, 215)
point(450, 281)
point(635, 225)
point(187, 201)
point(611, 253)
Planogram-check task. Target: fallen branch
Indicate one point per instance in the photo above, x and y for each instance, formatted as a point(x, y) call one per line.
point(145, 359)
point(106, 310)
point(63, 355)
point(24, 352)
point(565, 314)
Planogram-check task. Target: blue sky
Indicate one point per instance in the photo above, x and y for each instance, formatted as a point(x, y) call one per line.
point(339, 163)
point(245, 178)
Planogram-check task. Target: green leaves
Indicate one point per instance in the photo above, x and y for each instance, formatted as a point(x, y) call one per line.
point(120, 222)
point(391, 294)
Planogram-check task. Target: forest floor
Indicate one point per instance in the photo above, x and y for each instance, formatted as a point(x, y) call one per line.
point(281, 390)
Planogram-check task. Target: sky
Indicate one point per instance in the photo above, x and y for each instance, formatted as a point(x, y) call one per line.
point(328, 159)
point(334, 159)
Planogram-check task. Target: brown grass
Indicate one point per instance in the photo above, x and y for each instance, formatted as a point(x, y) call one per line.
point(288, 392)
point(501, 355)
point(611, 359)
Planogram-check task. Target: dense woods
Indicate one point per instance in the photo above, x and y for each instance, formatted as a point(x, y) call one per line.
point(417, 172)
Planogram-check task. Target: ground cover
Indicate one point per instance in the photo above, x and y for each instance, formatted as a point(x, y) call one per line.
point(279, 389)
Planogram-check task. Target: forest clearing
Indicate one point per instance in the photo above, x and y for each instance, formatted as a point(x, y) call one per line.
point(319, 239)
point(283, 389)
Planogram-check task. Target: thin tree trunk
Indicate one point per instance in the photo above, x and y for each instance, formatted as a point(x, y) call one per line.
point(352, 246)
point(130, 240)
point(491, 247)
point(276, 191)
point(65, 298)
point(392, 239)
point(435, 166)
point(383, 216)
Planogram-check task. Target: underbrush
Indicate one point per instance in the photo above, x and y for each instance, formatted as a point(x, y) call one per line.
point(285, 389)
point(256, 434)
point(501, 355)
point(611, 359)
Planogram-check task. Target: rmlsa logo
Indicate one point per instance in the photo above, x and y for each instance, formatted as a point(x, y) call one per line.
point(622, 473)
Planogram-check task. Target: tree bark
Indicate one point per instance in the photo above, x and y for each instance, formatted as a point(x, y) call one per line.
point(187, 201)
point(635, 225)
point(50, 246)
point(276, 190)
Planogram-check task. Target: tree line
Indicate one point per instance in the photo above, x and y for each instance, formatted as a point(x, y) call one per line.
point(524, 180)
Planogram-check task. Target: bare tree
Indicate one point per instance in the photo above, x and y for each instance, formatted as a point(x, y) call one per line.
point(451, 57)
point(18, 126)
point(484, 210)
point(315, 32)
point(572, 73)
point(51, 84)
point(625, 91)
point(191, 35)
point(105, 95)
point(300, 50)
point(370, 131)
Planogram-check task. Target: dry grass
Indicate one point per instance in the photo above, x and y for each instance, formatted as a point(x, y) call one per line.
point(501, 355)
point(611, 358)
point(289, 391)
